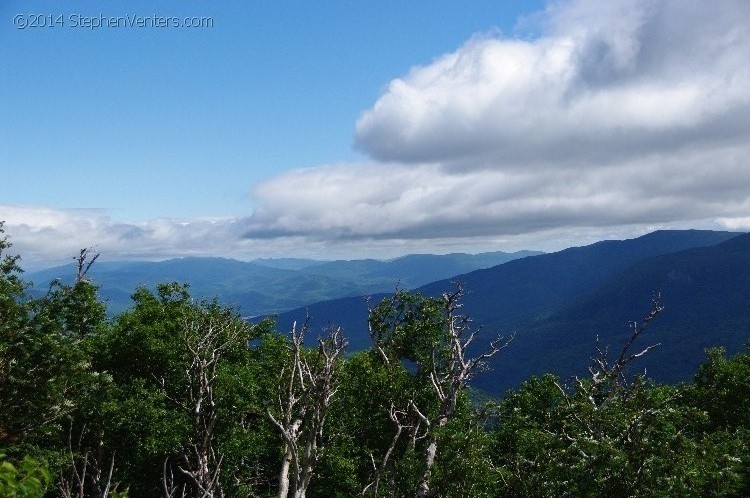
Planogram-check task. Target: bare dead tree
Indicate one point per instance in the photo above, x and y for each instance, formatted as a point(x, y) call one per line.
point(448, 368)
point(609, 378)
point(84, 261)
point(80, 296)
point(449, 377)
point(171, 488)
point(206, 338)
point(608, 384)
point(406, 422)
point(86, 477)
point(308, 382)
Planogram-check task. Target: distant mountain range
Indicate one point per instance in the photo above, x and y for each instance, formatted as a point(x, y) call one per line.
point(558, 303)
point(266, 286)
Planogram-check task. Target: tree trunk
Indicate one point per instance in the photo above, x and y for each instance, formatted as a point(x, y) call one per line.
point(284, 473)
point(429, 459)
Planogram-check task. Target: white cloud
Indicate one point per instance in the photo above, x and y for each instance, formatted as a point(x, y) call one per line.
point(49, 235)
point(606, 79)
point(622, 117)
point(735, 224)
point(425, 202)
point(622, 114)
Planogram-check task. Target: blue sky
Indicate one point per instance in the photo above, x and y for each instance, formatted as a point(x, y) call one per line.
point(182, 122)
point(350, 129)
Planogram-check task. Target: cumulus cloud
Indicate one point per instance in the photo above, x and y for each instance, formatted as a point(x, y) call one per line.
point(606, 79)
point(346, 202)
point(620, 114)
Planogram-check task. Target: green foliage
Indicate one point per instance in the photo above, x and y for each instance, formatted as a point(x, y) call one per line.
point(246, 384)
point(46, 375)
point(722, 388)
point(148, 415)
point(14, 318)
point(394, 407)
point(76, 387)
point(29, 479)
point(646, 442)
point(464, 466)
point(408, 326)
point(359, 422)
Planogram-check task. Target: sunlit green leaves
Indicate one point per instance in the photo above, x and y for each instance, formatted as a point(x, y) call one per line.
point(27, 479)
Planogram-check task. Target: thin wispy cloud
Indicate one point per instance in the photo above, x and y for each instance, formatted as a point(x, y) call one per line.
point(44, 234)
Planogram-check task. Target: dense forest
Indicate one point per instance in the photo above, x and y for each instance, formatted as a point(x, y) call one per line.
point(182, 397)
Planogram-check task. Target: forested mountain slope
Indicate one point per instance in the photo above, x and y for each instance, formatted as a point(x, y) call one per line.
point(545, 301)
point(706, 298)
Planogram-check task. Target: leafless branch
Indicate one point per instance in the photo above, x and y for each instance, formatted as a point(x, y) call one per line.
point(448, 368)
point(85, 475)
point(308, 383)
point(84, 261)
point(205, 337)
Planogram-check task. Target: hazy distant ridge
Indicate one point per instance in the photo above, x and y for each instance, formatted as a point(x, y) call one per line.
point(273, 285)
